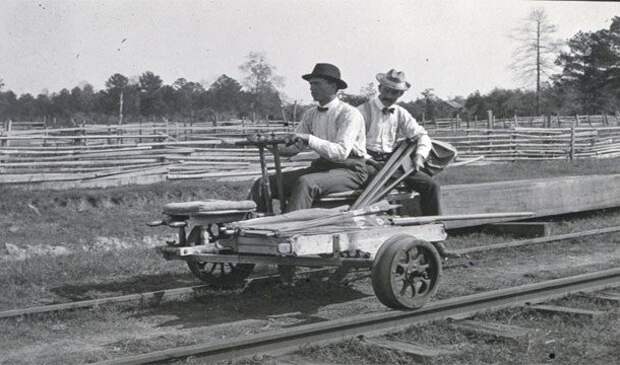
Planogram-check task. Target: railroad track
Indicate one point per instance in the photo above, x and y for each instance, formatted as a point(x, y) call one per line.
point(288, 340)
point(171, 294)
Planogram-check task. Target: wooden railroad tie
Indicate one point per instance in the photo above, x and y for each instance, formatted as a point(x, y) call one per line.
point(494, 329)
point(556, 309)
point(418, 351)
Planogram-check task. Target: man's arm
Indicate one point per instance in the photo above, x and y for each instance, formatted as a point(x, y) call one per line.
point(411, 129)
point(297, 140)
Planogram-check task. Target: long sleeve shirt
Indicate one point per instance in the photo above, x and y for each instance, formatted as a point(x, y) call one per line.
point(335, 133)
point(384, 130)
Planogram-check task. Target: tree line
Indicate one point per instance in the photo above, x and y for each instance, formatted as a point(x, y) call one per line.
point(588, 82)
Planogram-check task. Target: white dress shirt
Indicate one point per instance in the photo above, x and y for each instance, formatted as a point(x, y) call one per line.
point(335, 133)
point(384, 130)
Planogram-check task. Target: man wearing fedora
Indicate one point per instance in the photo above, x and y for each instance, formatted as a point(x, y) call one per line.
point(335, 131)
point(388, 123)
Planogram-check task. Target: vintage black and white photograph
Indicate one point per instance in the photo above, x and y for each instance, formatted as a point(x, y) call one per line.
point(309, 182)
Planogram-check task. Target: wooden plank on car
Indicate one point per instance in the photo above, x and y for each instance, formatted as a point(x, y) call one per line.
point(364, 240)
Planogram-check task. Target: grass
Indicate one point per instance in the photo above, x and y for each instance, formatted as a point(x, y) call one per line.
point(43, 280)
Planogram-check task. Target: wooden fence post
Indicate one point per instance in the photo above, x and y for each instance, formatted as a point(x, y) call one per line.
point(576, 120)
point(489, 119)
point(45, 134)
point(572, 143)
point(516, 121)
point(7, 127)
point(166, 125)
point(513, 145)
point(83, 133)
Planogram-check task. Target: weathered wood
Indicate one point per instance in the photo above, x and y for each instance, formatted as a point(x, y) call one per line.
point(522, 229)
point(297, 360)
point(491, 329)
point(609, 296)
point(418, 351)
point(543, 197)
point(555, 309)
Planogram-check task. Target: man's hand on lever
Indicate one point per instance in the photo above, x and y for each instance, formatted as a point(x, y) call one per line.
point(294, 143)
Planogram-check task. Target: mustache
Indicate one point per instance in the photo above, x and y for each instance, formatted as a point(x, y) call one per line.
point(386, 99)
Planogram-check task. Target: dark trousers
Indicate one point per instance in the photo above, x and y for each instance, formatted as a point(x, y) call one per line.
point(301, 187)
point(422, 183)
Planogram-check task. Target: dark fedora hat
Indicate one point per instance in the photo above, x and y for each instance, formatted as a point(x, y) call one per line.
point(326, 71)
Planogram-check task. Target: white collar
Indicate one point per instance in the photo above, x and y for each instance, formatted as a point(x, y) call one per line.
point(331, 104)
point(379, 103)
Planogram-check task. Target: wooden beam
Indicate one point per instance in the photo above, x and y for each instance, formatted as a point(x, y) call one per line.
point(520, 229)
point(555, 309)
point(543, 197)
point(418, 351)
point(494, 329)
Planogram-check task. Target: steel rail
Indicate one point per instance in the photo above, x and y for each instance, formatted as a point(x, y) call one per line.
point(557, 237)
point(287, 340)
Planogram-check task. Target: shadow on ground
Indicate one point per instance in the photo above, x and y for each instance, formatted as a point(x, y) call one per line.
point(132, 285)
point(260, 300)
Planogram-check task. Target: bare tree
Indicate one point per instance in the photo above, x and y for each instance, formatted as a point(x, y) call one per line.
point(262, 83)
point(536, 50)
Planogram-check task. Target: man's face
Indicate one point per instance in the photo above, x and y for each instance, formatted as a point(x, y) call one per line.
point(388, 95)
point(321, 89)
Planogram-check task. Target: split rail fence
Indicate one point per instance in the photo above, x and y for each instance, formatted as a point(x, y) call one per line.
point(545, 121)
point(102, 155)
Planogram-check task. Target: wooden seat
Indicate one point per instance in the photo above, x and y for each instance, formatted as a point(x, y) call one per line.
point(208, 207)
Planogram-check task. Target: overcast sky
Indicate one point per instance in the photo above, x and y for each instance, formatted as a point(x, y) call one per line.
point(453, 47)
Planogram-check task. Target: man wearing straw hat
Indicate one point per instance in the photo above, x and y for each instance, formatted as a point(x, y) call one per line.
point(388, 123)
point(335, 131)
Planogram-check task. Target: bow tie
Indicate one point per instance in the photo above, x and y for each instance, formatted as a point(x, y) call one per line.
point(322, 109)
point(387, 110)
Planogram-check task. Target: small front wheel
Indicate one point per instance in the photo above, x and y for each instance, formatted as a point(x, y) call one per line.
point(221, 275)
point(406, 272)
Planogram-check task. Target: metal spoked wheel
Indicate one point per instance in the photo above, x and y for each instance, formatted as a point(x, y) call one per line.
point(406, 272)
point(222, 275)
